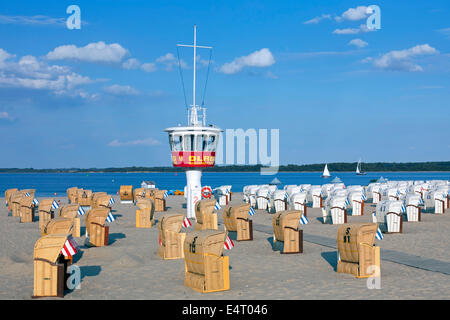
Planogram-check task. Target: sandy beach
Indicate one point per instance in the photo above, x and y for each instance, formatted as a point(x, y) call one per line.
point(130, 268)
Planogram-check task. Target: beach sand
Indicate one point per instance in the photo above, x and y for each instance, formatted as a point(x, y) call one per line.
point(130, 268)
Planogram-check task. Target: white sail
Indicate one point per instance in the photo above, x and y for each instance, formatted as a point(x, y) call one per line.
point(358, 166)
point(326, 173)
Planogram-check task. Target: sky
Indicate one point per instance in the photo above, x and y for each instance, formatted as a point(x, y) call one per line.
point(102, 95)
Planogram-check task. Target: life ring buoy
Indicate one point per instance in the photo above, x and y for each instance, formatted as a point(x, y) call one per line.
point(205, 194)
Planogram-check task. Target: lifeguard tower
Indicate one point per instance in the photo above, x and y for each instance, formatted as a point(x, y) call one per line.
point(194, 146)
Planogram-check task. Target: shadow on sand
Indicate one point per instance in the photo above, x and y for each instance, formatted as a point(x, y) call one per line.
point(331, 258)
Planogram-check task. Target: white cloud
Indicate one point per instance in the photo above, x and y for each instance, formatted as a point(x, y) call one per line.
point(362, 29)
point(4, 55)
point(401, 60)
point(318, 19)
point(93, 52)
point(116, 89)
point(445, 31)
point(354, 14)
point(131, 64)
point(31, 73)
point(170, 61)
point(148, 67)
point(346, 31)
point(260, 58)
point(6, 116)
point(32, 20)
point(143, 142)
point(135, 64)
point(358, 43)
point(270, 75)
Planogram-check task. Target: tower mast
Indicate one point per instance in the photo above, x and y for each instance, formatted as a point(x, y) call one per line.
point(193, 118)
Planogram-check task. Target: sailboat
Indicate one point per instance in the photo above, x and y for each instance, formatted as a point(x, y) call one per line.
point(358, 169)
point(326, 173)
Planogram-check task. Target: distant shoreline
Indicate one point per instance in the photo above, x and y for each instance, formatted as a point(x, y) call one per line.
point(436, 166)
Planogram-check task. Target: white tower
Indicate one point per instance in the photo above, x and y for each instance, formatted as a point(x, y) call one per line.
point(193, 146)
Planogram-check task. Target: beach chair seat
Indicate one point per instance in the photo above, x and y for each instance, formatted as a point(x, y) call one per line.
point(278, 201)
point(314, 196)
point(101, 201)
point(50, 266)
point(145, 214)
point(15, 200)
point(84, 197)
point(297, 201)
point(26, 209)
point(436, 199)
point(376, 195)
point(144, 193)
point(357, 253)
point(205, 215)
point(413, 210)
point(71, 211)
point(96, 230)
point(8, 194)
point(72, 194)
point(126, 194)
point(97, 198)
point(262, 198)
point(58, 226)
point(206, 269)
point(389, 216)
point(236, 219)
point(356, 202)
point(45, 212)
point(221, 195)
point(252, 191)
point(160, 200)
point(286, 235)
point(335, 210)
point(171, 240)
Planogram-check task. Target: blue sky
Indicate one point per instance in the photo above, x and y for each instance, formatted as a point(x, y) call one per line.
point(102, 96)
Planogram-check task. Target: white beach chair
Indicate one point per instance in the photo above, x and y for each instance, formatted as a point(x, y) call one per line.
point(252, 195)
point(278, 201)
point(314, 196)
point(297, 201)
point(356, 202)
point(413, 210)
point(335, 211)
point(389, 216)
point(220, 194)
point(262, 198)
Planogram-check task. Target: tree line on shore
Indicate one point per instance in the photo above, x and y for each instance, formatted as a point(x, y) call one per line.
point(334, 167)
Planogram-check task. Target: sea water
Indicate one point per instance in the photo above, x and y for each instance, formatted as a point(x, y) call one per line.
point(47, 184)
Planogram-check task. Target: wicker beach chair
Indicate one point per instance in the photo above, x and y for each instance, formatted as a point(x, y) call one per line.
point(236, 219)
point(171, 240)
point(206, 215)
point(206, 269)
point(357, 253)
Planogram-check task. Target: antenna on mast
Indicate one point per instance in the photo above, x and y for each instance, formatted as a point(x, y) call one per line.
point(193, 114)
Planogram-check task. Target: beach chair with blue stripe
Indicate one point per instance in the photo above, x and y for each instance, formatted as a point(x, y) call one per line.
point(96, 230)
point(287, 237)
point(206, 215)
point(236, 220)
point(357, 253)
